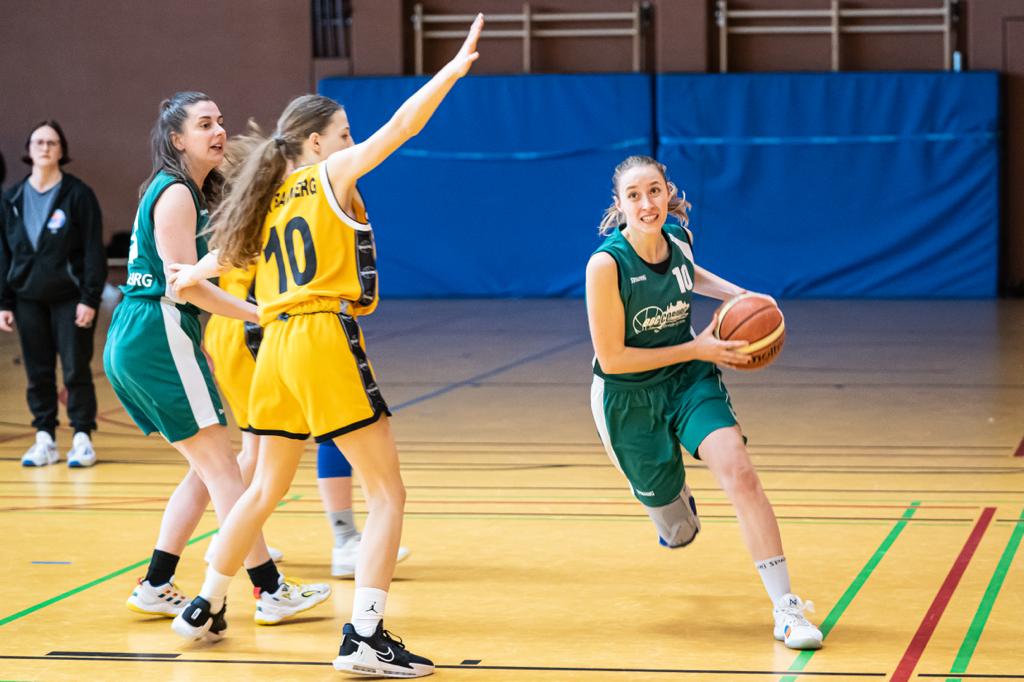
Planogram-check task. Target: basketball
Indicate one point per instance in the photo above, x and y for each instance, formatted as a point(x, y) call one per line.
point(757, 320)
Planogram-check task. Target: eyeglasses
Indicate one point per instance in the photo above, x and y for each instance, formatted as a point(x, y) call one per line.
point(45, 143)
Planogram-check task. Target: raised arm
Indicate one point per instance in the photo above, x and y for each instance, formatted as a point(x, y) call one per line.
point(348, 165)
point(174, 217)
point(608, 324)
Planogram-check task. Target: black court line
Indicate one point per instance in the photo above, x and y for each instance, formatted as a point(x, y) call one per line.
point(109, 654)
point(88, 656)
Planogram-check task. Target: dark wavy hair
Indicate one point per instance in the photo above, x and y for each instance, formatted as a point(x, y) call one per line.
point(173, 114)
point(64, 158)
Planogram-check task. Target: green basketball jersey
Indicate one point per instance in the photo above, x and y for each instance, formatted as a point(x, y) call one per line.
point(657, 306)
point(145, 267)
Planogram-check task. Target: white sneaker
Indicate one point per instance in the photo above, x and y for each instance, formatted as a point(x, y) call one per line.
point(276, 555)
point(343, 559)
point(290, 599)
point(162, 600)
point(791, 627)
point(81, 454)
point(42, 452)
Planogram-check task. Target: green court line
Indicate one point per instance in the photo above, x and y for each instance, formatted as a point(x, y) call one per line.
point(120, 571)
point(963, 657)
point(833, 616)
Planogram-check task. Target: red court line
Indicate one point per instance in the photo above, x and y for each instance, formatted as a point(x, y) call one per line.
point(931, 619)
point(1019, 452)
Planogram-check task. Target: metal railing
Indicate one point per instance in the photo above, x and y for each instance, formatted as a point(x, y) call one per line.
point(832, 23)
point(526, 29)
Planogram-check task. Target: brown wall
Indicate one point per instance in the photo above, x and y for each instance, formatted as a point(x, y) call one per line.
point(101, 68)
point(996, 41)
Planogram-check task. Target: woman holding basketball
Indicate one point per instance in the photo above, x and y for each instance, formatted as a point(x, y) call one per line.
point(656, 384)
point(295, 210)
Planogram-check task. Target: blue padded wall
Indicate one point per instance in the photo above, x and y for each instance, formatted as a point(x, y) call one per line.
point(501, 194)
point(849, 185)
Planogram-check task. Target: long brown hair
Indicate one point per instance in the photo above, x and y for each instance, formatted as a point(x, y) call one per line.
point(167, 158)
point(677, 203)
point(256, 166)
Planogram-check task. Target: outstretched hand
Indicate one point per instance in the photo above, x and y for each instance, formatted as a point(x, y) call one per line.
point(717, 351)
point(468, 54)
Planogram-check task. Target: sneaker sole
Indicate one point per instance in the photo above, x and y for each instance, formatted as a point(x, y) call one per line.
point(345, 664)
point(147, 612)
point(195, 634)
point(263, 621)
point(80, 465)
point(802, 644)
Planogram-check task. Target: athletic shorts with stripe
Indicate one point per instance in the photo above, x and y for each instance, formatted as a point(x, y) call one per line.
point(233, 364)
point(312, 375)
point(158, 371)
point(642, 428)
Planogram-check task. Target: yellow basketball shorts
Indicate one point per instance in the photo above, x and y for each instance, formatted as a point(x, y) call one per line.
point(233, 364)
point(313, 378)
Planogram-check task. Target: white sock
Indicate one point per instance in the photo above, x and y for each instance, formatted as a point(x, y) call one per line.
point(775, 576)
point(215, 589)
point(368, 609)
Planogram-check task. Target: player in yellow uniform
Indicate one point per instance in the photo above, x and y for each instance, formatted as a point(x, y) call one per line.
point(294, 209)
point(232, 345)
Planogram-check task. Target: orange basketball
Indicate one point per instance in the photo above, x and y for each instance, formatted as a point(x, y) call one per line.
point(758, 321)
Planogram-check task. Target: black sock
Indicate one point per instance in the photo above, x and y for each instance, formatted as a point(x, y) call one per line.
point(265, 576)
point(161, 568)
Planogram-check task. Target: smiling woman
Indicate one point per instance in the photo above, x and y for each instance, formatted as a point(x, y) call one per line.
point(155, 364)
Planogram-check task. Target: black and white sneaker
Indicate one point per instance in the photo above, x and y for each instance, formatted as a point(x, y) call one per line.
point(195, 621)
point(379, 654)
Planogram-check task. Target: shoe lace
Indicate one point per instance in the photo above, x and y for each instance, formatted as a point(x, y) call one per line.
point(796, 613)
point(393, 639)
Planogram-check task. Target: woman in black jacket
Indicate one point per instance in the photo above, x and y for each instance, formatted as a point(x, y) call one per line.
point(52, 272)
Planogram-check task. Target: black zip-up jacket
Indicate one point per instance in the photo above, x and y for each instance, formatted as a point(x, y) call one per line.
point(68, 262)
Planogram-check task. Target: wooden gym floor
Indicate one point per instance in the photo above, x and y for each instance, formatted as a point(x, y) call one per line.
point(886, 437)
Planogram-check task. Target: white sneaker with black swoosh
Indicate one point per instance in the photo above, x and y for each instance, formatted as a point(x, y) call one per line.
point(380, 654)
point(291, 598)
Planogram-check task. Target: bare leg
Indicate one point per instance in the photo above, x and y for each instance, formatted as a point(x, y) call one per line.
point(278, 459)
point(373, 454)
point(210, 454)
point(727, 458)
point(184, 510)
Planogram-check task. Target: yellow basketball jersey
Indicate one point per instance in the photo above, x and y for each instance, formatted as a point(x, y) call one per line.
point(237, 281)
point(313, 250)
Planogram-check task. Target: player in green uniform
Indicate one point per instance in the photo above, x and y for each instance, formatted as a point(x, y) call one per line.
point(656, 384)
point(158, 371)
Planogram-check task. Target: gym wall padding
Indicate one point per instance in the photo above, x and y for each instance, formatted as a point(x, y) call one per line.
point(501, 193)
point(847, 185)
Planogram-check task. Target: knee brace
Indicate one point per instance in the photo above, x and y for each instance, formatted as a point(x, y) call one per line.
point(330, 463)
point(677, 522)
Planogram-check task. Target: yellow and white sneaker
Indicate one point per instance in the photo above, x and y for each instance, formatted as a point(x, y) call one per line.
point(162, 600)
point(291, 598)
point(791, 627)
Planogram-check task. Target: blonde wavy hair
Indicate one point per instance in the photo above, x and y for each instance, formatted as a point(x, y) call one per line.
point(254, 166)
point(677, 203)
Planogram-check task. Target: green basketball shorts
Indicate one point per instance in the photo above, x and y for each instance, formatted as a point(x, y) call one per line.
point(642, 428)
point(158, 371)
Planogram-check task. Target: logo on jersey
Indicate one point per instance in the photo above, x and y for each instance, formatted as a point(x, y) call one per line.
point(654, 319)
point(140, 279)
point(641, 278)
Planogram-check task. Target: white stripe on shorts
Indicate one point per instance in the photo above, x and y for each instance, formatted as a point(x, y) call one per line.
point(597, 407)
point(183, 354)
